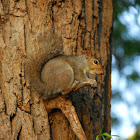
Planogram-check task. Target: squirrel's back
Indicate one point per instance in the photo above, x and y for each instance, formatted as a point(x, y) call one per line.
point(77, 62)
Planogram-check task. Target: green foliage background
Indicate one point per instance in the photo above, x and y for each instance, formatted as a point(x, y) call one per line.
point(126, 55)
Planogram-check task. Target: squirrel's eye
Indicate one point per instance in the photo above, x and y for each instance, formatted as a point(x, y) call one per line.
point(96, 62)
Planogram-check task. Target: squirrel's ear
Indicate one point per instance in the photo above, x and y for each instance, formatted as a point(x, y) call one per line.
point(88, 53)
point(81, 52)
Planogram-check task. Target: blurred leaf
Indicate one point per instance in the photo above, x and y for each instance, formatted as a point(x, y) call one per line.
point(131, 47)
point(97, 137)
point(100, 132)
point(134, 76)
point(114, 121)
point(119, 29)
point(121, 6)
point(103, 137)
point(115, 136)
point(116, 95)
point(107, 135)
point(136, 136)
point(137, 2)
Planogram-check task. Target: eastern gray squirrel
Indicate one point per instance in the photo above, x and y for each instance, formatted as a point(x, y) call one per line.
point(50, 74)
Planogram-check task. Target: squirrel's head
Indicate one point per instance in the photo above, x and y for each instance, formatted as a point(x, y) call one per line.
point(95, 67)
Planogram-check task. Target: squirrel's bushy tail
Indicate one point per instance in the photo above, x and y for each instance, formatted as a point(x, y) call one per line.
point(47, 46)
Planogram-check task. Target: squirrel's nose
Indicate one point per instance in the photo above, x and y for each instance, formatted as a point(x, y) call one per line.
point(102, 73)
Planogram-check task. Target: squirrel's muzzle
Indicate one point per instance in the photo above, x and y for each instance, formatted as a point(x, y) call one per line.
point(102, 72)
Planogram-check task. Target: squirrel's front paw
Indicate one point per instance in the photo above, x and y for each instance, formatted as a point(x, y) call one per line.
point(94, 83)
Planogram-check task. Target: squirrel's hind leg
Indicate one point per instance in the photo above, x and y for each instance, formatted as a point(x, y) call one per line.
point(76, 85)
point(71, 88)
point(91, 82)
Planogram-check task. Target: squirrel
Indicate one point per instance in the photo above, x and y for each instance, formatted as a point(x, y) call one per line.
point(50, 73)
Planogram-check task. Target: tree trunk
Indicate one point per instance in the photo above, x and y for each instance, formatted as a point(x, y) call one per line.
point(84, 25)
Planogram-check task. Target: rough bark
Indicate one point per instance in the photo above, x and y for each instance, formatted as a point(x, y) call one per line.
point(84, 25)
